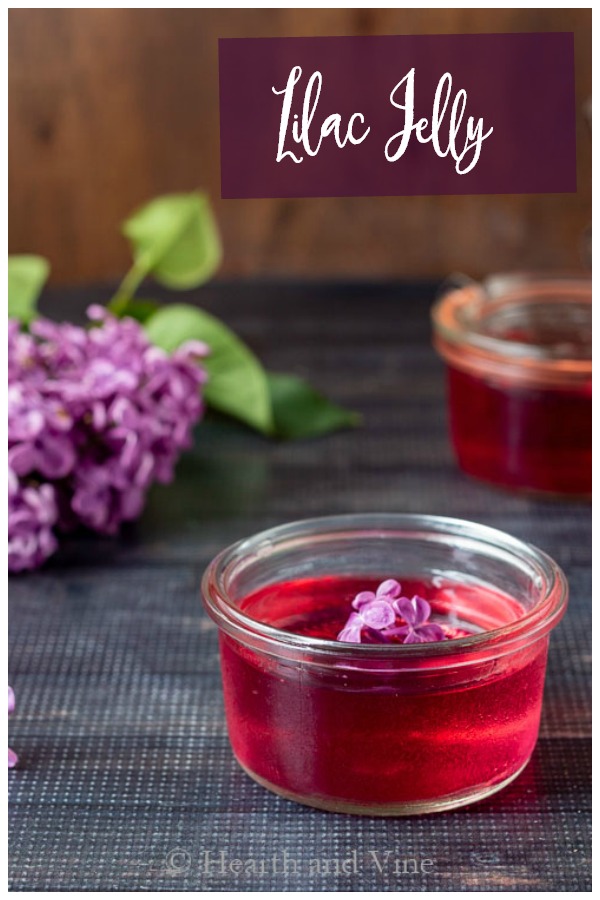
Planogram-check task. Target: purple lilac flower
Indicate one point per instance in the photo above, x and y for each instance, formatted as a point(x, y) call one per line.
point(39, 433)
point(32, 514)
point(95, 417)
point(376, 615)
point(13, 759)
point(418, 628)
point(373, 611)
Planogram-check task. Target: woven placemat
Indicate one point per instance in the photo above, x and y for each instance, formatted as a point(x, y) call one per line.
point(126, 779)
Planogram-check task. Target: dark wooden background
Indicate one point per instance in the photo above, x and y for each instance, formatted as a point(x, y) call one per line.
point(109, 107)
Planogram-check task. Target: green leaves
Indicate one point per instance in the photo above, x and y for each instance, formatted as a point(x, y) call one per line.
point(283, 406)
point(173, 238)
point(300, 411)
point(237, 382)
point(26, 278)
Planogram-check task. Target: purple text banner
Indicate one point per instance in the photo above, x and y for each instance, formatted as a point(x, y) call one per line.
point(397, 115)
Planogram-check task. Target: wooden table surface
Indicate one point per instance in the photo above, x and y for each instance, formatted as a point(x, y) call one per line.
point(126, 779)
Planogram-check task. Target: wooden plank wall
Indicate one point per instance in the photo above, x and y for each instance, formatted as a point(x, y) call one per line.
point(108, 107)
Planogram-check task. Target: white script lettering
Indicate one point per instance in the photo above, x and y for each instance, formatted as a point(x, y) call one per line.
point(301, 129)
point(474, 131)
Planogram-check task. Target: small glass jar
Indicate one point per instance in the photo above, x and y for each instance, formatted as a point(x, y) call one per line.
point(518, 355)
point(386, 729)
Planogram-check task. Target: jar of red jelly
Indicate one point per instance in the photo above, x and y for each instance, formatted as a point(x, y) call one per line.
point(518, 355)
point(383, 729)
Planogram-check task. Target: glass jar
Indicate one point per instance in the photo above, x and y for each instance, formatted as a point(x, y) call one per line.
point(386, 729)
point(518, 355)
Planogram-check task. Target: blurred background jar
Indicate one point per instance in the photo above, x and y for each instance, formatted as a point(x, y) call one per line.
point(518, 353)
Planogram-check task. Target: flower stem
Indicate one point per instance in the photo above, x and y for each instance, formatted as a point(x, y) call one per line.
point(126, 290)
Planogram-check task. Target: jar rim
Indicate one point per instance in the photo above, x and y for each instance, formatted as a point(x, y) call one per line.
point(460, 334)
point(537, 622)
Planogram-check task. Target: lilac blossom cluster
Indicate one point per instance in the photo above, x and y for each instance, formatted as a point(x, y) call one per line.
point(376, 614)
point(96, 415)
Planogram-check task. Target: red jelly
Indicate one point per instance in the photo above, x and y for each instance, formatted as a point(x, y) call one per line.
point(518, 351)
point(376, 742)
point(384, 729)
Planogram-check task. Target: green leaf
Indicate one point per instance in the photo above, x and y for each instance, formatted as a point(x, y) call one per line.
point(139, 309)
point(175, 239)
point(301, 411)
point(237, 382)
point(26, 278)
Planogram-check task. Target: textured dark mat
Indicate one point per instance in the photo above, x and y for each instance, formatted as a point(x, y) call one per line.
point(127, 780)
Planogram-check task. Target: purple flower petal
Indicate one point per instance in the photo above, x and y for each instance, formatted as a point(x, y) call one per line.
point(22, 458)
point(192, 350)
point(431, 632)
point(13, 759)
point(390, 588)
point(362, 598)
point(422, 610)
point(377, 614)
point(412, 637)
point(406, 610)
point(55, 456)
point(352, 630)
